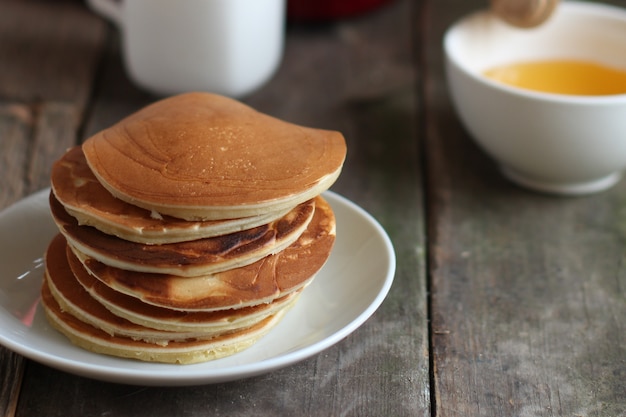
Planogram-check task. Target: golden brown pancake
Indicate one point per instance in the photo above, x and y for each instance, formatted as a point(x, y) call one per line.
point(73, 288)
point(180, 352)
point(264, 281)
point(83, 197)
point(91, 312)
point(204, 156)
point(191, 258)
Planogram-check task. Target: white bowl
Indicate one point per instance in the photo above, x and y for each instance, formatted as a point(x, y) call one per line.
point(563, 144)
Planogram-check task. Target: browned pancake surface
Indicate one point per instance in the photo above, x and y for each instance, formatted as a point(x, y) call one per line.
point(77, 189)
point(265, 280)
point(192, 258)
point(93, 339)
point(202, 151)
point(78, 287)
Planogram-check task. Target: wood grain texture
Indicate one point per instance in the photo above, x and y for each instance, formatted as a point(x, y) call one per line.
point(528, 291)
point(11, 371)
point(15, 130)
point(48, 51)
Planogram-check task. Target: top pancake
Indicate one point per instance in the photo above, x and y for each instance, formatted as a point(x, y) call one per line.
point(203, 156)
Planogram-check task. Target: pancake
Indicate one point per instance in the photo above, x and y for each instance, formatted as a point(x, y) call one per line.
point(261, 282)
point(179, 352)
point(91, 312)
point(203, 156)
point(191, 258)
point(74, 289)
point(84, 198)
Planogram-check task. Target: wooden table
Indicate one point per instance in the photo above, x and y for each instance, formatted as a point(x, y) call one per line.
point(505, 302)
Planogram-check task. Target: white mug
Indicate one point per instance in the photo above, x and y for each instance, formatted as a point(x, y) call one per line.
point(228, 47)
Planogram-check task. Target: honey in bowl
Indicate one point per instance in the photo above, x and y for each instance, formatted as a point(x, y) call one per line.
point(562, 77)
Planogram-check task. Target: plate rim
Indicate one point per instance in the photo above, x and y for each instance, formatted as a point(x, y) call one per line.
point(236, 372)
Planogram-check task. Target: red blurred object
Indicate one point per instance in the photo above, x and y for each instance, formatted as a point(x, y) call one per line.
point(319, 10)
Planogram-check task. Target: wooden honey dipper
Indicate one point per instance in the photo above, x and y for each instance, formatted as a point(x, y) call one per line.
point(524, 13)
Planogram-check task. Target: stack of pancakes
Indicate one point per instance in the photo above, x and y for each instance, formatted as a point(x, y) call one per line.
point(188, 229)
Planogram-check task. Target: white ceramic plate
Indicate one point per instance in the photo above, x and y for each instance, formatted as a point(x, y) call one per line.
point(347, 291)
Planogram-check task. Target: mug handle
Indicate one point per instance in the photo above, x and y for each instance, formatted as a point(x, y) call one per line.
point(111, 9)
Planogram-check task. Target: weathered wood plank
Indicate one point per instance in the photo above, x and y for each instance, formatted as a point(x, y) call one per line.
point(11, 372)
point(528, 291)
point(15, 129)
point(56, 129)
point(48, 51)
